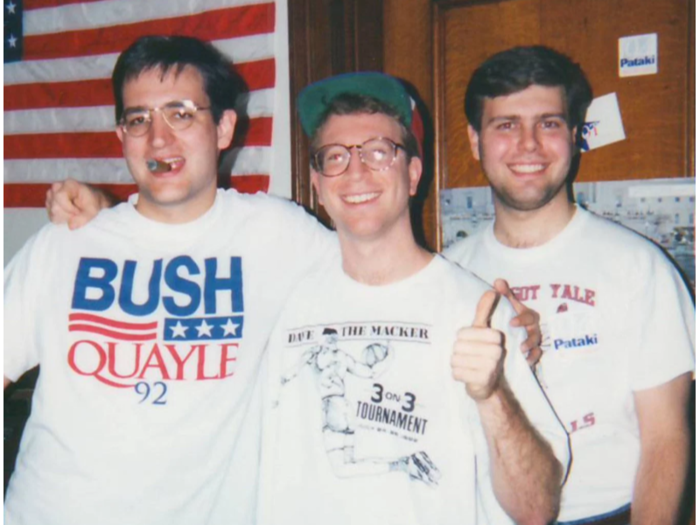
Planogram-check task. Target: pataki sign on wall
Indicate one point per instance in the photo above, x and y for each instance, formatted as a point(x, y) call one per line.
point(638, 55)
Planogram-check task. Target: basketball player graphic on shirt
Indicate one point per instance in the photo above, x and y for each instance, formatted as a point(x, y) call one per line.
point(331, 365)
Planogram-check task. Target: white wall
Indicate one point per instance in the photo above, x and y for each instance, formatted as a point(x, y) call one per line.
point(281, 176)
point(18, 225)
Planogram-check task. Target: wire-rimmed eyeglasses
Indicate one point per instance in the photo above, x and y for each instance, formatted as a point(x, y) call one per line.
point(377, 154)
point(178, 114)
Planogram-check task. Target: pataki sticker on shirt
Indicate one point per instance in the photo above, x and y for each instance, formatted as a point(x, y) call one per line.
point(573, 332)
point(375, 409)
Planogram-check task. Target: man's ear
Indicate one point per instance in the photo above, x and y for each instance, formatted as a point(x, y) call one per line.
point(474, 142)
point(574, 140)
point(415, 170)
point(225, 129)
point(120, 134)
point(315, 182)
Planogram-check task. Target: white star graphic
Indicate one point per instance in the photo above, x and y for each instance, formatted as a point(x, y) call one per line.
point(11, 8)
point(230, 328)
point(12, 41)
point(179, 330)
point(204, 328)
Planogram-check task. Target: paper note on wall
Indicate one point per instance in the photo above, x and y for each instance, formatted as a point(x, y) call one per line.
point(638, 55)
point(603, 123)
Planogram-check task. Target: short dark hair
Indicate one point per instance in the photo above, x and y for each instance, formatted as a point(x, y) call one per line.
point(354, 104)
point(166, 53)
point(517, 69)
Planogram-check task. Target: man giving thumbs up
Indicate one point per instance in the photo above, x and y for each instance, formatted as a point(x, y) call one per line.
point(513, 444)
point(365, 419)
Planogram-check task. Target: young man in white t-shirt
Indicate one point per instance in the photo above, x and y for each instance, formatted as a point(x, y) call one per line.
point(617, 319)
point(149, 323)
point(371, 414)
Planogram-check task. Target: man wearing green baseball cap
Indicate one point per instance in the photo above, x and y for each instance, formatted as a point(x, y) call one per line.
point(375, 414)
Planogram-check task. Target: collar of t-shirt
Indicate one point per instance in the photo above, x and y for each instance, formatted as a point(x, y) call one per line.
point(546, 250)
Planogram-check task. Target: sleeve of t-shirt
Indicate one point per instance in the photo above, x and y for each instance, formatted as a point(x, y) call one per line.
point(456, 252)
point(301, 241)
point(665, 341)
point(462, 251)
point(272, 370)
point(23, 278)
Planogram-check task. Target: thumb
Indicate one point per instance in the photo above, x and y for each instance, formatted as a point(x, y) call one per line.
point(502, 287)
point(485, 308)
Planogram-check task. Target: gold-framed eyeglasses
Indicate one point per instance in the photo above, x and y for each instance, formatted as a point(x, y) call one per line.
point(378, 154)
point(178, 114)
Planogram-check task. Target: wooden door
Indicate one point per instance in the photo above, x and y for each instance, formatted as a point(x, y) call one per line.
point(327, 37)
point(437, 44)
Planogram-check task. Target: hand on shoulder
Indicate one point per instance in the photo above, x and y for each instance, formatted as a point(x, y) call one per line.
point(75, 203)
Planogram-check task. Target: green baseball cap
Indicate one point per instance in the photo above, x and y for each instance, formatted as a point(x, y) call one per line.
point(314, 99)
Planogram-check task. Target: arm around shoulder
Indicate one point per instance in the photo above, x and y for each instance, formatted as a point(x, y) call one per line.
point(76, 203)
point(305, 241)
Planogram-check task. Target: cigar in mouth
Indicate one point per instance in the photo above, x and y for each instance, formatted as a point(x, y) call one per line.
point(158, 166)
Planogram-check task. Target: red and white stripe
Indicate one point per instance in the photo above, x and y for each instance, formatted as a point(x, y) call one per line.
point(120, 330)
point(59, 114)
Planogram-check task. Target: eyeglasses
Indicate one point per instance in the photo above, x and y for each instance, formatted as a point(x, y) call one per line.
point(377, 154)
point(179, 115)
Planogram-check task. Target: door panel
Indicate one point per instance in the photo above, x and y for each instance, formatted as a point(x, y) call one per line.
point(657, 110)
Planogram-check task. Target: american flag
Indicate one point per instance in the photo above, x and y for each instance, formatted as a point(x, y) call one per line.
point(59, 113)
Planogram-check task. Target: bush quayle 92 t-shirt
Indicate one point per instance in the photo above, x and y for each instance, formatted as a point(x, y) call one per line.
point(149, 338)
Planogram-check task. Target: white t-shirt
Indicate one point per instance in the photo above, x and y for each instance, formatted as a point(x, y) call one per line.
point(149, 338)
point(616, 318)
point(363, 420)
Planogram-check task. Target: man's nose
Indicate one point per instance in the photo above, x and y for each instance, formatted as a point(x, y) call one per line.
point(160, 133)
point(356, 167)
point(529, 138)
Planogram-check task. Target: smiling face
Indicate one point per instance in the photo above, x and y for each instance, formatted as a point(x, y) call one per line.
point(525, 147)
point(189, 188)
point(366, 204)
